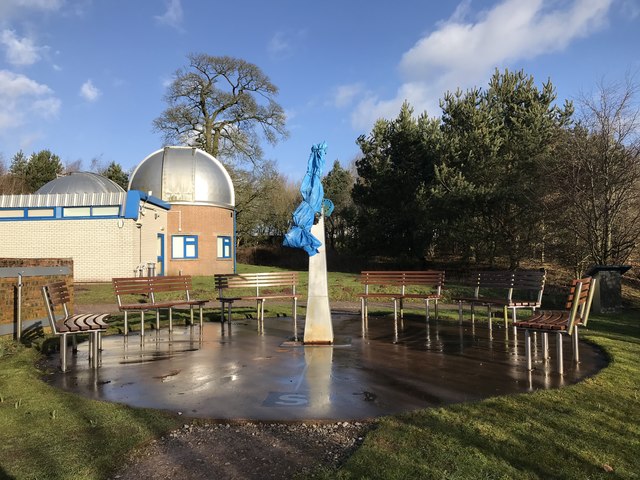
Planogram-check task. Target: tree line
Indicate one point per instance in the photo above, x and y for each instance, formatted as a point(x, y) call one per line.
point(506, 174)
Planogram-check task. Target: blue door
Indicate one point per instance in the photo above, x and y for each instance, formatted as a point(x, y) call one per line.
point(160, 252)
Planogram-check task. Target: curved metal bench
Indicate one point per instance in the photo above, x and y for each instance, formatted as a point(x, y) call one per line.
point(56, 297)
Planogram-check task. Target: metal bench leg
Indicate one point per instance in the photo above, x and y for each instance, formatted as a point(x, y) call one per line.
point(576, 353)
point(545, 346)
point(126, 324)
point(191, 315)
point(460, 311)
point(505, 314)
point(63, 352)
point(427, 312)
point(170, 319)
point(527, 349)
point(363, 317)
point(157, 319)
point(201, 317)
point(559, 353)
point(473, 312)
point(395, 309)
point(435, 305)
point(93, 348)
point(141, 325)
point(74, 343)
point(295, 319)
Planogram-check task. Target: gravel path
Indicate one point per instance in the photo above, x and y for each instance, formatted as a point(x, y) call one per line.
point(245, 451)
point(242, 450)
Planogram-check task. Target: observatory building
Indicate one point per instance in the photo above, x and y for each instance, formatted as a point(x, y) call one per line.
point(176, 218)
point(200, 235)
point(84, 216)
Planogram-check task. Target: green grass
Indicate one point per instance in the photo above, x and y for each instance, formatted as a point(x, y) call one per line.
point(586, 431)
point(46, 433)
point(577, 432)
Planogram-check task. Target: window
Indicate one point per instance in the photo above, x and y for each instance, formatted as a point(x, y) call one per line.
point(40, 212)
point(76, 211)
point(105, 211)
point(184, 246)
point(224, 247)
point(11, 213)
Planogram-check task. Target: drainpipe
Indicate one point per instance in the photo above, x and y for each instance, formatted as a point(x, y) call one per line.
point(19, 309)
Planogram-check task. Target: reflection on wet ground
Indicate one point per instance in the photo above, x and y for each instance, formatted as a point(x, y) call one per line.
point(236, 373)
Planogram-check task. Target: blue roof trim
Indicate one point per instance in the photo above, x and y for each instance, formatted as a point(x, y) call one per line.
point(132, 205)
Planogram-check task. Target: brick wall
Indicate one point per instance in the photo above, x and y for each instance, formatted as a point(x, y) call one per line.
point(208, 222)
point(101, 248)
point(33, 310)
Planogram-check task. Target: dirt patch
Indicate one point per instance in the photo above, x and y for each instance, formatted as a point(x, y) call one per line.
point(245, 451)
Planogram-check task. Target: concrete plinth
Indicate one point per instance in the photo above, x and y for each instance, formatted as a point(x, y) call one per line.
point(318, 328)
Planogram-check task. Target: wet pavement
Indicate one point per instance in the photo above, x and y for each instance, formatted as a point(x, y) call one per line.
point(236, 373)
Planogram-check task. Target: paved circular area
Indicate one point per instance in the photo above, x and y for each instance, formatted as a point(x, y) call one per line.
point(235, 373)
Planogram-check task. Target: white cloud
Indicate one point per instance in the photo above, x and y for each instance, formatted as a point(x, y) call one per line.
point(89, 92)
point(344, 95)
point(283, 44)
point(279, 45)
point(47, 108)
point(22, 98)
point(174, 15)
point(11, 7)
point(462, 53)
point(19, 51)
point(14, 85)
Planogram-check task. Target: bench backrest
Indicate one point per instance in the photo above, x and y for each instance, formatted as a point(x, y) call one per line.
point(171, 284)
point(149, 286)
point(511, 280)
point(56, 295)
point(257, 281)
point(131, 286)
point(433, 279)
point(579, 301)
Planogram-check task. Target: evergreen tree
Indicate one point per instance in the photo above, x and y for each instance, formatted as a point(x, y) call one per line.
point(395, 175)
point(491, 182)
point(42, 167)
point(337, 185)
point(115, 173)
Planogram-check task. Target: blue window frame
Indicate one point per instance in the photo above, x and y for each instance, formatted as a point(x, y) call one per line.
point(224, 247)
point(184, 246)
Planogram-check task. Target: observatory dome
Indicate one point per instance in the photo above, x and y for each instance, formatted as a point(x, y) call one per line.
point(184, 175)
point(80, 182)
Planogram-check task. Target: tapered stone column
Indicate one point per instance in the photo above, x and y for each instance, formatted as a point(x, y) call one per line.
point(318, 328)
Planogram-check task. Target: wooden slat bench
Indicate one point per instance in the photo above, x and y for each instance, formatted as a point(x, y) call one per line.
point(423, 285)
point(63, 323)
point(509, 289)
point(141, 294)
point(561, 322)
point(258, 287)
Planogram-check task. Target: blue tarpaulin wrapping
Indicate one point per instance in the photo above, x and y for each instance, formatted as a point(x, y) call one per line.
point(299, 236)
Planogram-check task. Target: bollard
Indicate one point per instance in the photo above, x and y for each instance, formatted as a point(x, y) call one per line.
point(19, 309)
point(151, 269)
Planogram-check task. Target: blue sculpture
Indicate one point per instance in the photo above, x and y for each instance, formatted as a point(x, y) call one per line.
point(299, 236)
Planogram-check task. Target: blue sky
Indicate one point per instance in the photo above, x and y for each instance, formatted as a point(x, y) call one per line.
point(86, 78)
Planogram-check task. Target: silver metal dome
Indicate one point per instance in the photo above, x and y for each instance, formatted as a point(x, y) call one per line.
point(184, 175)
point(80, 182)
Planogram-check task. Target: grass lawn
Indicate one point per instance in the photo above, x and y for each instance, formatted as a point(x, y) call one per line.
point(588, 430)
point(585, 431)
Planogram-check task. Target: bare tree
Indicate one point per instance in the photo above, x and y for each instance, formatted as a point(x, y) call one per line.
point(223, 105)
point(598, 175)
